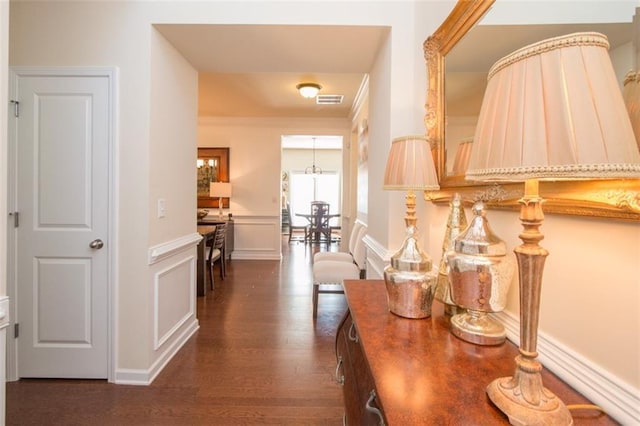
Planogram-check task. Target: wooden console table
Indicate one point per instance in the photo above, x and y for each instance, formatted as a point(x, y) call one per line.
point(415, 372)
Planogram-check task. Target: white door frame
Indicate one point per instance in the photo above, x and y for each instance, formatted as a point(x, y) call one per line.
point(111, 73)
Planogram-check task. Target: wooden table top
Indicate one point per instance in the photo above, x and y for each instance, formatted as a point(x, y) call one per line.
point(425, 375)
point(206, 229)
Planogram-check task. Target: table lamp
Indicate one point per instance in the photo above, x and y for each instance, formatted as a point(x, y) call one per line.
point(410, 278)
point(552, 110)
point(631, 92)
point(220, 190)
point(461, 160)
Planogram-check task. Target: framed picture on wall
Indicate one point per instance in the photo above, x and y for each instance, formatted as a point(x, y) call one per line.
point(213, 166)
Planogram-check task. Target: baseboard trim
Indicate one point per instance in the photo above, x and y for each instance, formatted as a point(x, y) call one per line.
point(126, 376)
point(254, 255)
point(617, 398)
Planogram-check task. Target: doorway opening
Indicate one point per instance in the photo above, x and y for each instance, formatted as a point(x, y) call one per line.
point(311, 171)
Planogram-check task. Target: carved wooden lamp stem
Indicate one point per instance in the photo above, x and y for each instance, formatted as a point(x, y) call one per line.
point(522, 397)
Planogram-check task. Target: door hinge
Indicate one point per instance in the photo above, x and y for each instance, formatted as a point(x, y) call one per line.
point(16, 330)
point(16, 218)
point(16, 108)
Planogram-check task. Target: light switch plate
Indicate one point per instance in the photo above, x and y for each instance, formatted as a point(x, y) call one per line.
point(162, 208)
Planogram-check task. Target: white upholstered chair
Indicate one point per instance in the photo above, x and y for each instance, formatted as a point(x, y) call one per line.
point(344, 256)
point(328, 274)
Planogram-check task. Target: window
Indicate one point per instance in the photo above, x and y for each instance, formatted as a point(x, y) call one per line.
point(305, 188)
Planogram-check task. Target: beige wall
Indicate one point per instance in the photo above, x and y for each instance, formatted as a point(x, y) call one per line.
point(591, 293)
point(173, 136)
point(590, 305)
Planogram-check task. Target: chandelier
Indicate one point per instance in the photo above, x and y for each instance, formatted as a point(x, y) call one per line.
point(313, 169)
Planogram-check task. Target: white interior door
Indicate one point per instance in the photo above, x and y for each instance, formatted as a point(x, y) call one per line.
point(62, 196)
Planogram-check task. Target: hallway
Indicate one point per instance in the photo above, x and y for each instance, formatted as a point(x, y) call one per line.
point(257, 359)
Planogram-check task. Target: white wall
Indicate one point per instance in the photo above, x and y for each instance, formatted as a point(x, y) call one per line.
point(173, 136)
point(172, 158)
point(299, 159)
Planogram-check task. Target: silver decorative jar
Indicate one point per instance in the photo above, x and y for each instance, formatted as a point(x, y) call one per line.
point(480, 275)
point(410, 280)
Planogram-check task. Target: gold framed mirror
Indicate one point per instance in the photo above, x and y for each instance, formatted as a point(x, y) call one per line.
point(619, 199)
point(212, 166)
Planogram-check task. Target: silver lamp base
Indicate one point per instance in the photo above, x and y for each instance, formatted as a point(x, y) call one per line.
point(410, 294)
point(410, 280)
point(477, 327)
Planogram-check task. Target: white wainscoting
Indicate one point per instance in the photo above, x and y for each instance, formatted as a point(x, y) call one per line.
point(620, 400)
point(174, 299)
point(377, 258)
point(173, 286)
point(257, 237)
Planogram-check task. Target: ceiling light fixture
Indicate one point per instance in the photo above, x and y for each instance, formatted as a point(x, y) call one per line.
point(308, 90)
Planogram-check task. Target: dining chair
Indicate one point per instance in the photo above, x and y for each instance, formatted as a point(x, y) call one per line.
point(295, 225)
point(320, 217)
point(216, 251)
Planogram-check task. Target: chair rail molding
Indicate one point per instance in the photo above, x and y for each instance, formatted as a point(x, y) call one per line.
point(378, 257)
point(168, 249)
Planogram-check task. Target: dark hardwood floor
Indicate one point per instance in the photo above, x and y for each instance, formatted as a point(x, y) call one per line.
point(257, 359)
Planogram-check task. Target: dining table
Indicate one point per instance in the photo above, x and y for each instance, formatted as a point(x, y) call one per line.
point(208, 233)
point(318, 227)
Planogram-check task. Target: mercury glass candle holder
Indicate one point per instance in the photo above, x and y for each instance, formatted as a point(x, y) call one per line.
point(480, 273)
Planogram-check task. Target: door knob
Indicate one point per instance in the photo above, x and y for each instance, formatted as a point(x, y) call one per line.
point(96, 244)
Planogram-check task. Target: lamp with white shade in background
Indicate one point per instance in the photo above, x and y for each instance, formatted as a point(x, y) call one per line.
point(410, 278)
point(631, 91)
point(461, 160)
point(308, 90)
point(220, 190)
point(552, 110)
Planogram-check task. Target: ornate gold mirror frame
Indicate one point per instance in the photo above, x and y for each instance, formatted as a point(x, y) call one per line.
point(619, 199)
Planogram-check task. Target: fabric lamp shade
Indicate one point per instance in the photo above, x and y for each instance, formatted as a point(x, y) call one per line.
point(220, 189)
point(631, 92)
point(410, 165)
point(461, 160)
point(554, 110)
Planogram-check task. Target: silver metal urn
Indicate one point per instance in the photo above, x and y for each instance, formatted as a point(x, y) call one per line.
point(480, 274)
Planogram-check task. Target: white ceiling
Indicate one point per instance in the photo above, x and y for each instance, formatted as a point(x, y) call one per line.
point(253, 70)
